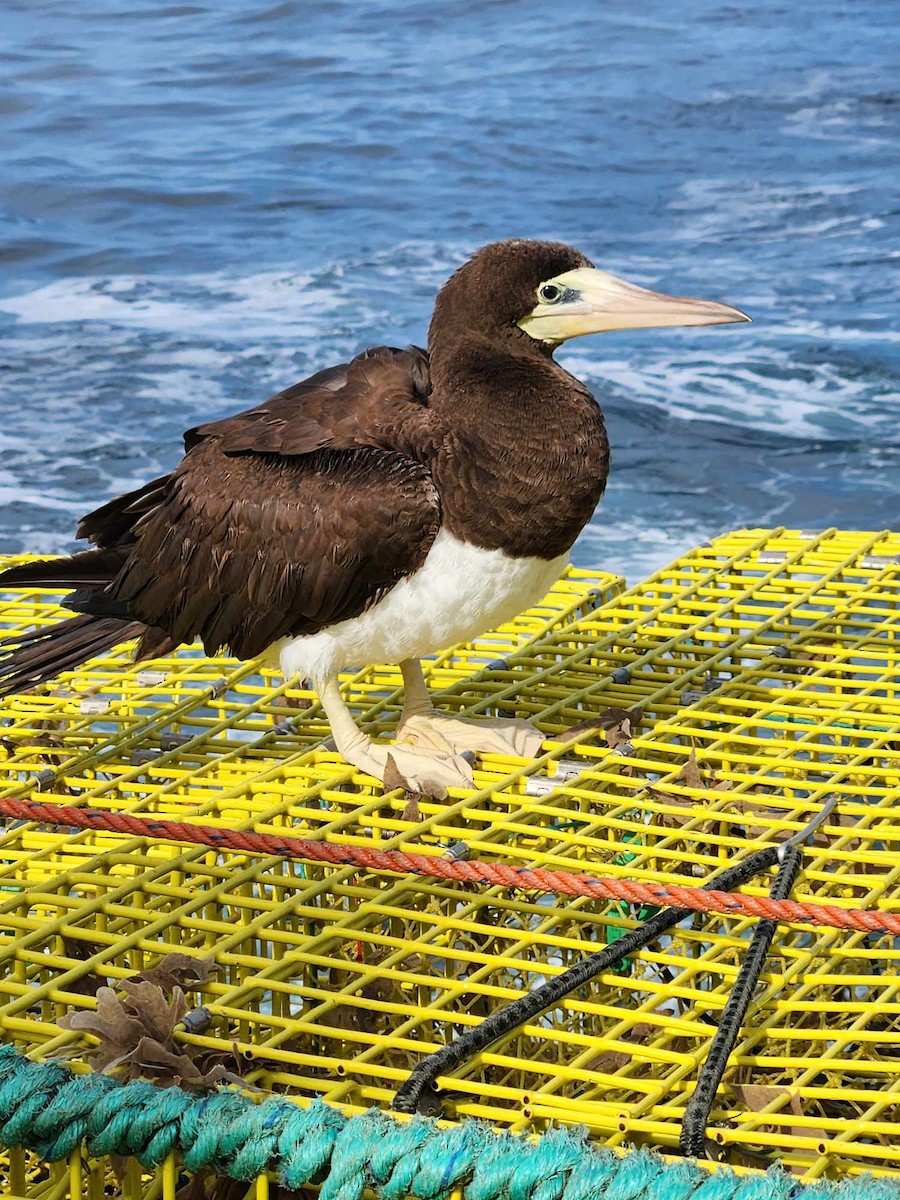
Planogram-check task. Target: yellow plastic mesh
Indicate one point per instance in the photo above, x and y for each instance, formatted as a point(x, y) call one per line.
point(767, 666)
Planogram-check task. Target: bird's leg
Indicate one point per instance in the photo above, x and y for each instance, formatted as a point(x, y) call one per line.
point(420, 769)
point(423, 725)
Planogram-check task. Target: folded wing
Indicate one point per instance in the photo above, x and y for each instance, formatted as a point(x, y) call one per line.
point(292, 516)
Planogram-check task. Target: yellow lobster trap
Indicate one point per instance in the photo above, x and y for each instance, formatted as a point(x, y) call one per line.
point(710, 713)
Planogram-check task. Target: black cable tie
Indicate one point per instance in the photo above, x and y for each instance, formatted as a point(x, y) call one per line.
point(696, 1114)
point(419, 1086)
point(496, 664)
point(198, 1020)
point(621, 675)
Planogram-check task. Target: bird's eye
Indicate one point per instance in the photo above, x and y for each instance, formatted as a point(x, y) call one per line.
point(549, 293)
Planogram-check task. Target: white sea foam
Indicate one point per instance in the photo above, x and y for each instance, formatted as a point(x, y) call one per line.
point(798, 327)
point(841, 119)
point(250, 306)
point(635, 548)
point(264, 305)
point(773, 391)
point(712, 209)
point(53, 501)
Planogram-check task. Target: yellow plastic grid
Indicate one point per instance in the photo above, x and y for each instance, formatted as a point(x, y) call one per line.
point(767, 666)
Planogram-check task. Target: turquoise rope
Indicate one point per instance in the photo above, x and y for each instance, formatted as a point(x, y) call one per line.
point(46, 1108)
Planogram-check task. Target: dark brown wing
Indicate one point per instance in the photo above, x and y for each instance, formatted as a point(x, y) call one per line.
point(284, 519)
point(360, 403)
point(246, 549)
point(378, 399)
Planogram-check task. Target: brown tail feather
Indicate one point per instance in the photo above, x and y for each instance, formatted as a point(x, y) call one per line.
point(90, 568)
point(39, 656)
point(111, 525)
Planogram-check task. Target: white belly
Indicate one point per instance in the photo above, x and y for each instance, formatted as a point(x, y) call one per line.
point(458, 593)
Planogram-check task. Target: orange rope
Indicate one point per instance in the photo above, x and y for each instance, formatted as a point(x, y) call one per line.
point(369, 858)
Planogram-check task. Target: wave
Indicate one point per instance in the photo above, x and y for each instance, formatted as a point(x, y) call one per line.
point(777, 392)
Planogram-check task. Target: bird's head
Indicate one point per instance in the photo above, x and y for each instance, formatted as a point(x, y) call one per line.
point(551, 292)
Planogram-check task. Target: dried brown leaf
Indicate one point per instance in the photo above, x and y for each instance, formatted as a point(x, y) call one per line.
point(416, 964)
point(117, 1031)
point(234, 1065)
point(198, 1187)
point(617, 723)
point(392, 777)
point(342, 1016)
point(360, 1018)
point(135, 1029)
point(206, 1186)
point(689, 774)
point(158, 1015)
point(618, 735)
point(119, 1164)
point(79, 950)
point(670, 820)
point(177, 970)
point(756, 1096)
point(607, 1062)
point(675, 820)
point(744, 805)
point(153, 1060)
point(808, 662)
point(642, 1033)
point(411, 810)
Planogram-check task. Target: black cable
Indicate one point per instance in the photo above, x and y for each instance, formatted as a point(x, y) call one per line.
point(696, 1114)
point(418, 1091)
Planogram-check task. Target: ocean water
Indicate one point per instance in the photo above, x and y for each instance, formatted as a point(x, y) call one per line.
point(202, 202)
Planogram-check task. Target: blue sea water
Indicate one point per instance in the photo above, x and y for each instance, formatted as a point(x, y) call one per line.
point(204, 201)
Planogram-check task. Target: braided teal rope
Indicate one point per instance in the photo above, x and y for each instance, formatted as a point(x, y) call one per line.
point(46, 1108)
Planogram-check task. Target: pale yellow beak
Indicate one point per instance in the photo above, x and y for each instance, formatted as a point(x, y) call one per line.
point(592, 301)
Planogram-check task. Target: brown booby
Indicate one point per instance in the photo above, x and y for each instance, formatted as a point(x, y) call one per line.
point(379, 511)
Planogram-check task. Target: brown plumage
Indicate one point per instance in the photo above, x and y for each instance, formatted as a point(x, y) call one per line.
point(306, 511)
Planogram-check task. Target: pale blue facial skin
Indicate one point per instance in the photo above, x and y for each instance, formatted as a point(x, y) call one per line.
point(202, 203)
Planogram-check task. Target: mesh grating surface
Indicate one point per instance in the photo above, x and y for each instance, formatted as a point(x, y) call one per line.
point(767, 669)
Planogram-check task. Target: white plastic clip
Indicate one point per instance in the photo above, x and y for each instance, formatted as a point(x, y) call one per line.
point(150, 678)
point(566, 769)
point(877, 562)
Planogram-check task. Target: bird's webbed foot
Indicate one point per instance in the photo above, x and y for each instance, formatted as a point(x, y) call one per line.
point(416, 768)
point(429, 769)
point(487, 735)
